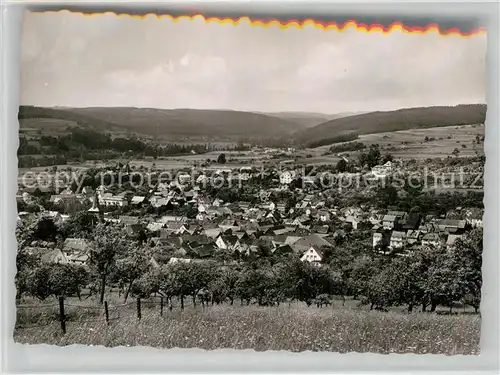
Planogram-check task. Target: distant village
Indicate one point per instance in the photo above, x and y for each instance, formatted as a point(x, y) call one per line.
point(276, 216)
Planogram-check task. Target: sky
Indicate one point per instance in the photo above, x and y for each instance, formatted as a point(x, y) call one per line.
point(72, 60)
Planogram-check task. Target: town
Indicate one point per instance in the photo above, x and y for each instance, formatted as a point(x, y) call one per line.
point(253, 216)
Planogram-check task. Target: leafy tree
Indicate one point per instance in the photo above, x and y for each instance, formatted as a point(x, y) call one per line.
point(80, 225)
point(341, 166)
point(132, 266)
point(386, 158)
point(466, 263)
point(108, 241)
point(66, 279)
point(221, 159)
point(370, 158)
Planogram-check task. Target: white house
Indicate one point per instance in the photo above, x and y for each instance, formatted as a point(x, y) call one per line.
point(398, 240)
point(354, 221)
point(108, 199)
point(324, 215)
point(220, 243)
point(431, 239)
point(381, 171)
point(286, 177)
point(377, 239)
point(313, 256)
point(389, 221)
point(183, 178)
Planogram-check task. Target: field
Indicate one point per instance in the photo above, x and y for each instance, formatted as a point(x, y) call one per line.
point(293, 328)
point(409, 144)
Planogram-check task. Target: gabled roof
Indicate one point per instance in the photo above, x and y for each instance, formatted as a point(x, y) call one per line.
point(76, 244)
point(397, 234)
point(312, 240)
point(125, 219)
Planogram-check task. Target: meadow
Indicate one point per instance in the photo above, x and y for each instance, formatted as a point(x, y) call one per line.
point(286, 327)
point(410, 144)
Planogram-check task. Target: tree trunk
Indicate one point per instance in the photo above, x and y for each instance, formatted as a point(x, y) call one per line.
point(343, 300)
point(170, 307)
point(232, 301)
point(433, 306)
point(182, 302)
point(103, 288)
point(127, 291)
point(194, 300)
point(371, 306)
point(78, 293)
point(410, 307)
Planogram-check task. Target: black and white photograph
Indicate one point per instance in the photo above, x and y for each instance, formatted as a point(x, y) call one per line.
point(188, 182)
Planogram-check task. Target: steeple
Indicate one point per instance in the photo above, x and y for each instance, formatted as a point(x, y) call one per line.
point(95, 203)
point(96, 209)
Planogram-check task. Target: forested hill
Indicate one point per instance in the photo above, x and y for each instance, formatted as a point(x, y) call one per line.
point(192, 122)
point(402, 119)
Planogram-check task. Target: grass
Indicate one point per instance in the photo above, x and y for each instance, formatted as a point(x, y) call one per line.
point(296, 328)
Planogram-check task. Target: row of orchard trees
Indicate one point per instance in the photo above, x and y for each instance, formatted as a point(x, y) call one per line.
point(426, 278)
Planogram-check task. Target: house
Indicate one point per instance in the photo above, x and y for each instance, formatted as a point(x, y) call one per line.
point(431, 239)
point(183, 178)
point(108, 199)
point(398, 240)
point(283, 250)
point(312, 240)
point(313, 256)
point(412, 236)
point(353, 221)
point(400, 215)
point(287, 177)
point(381, 171)
point(376, 219)
point(154, 226)
point(175, 227)
point(137, 200)
point(158, 201)
point(451, 226)
point(211, 230)
point(228, 242)
point(128, 220)
point(377, 240)
point(221, 244)
point(290, 240)
point(281, 207)
point(76, 250)
point(389, 222)
point(474, 217)
point(323, 215)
